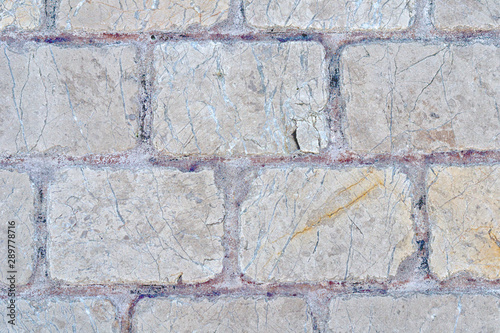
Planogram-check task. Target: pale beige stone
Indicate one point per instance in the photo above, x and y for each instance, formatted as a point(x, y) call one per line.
point(416, 313)
point(417, 97)
point(75, 100)
point(330, 14)
point(16, 204)
point(284, 314)
point(464, 212)
point(478, 313)
point(147, 226)
point(63, 315)
point(241, 98)
point(120, 15)
point(23, 14)
point(477, 14)
point(304, 224)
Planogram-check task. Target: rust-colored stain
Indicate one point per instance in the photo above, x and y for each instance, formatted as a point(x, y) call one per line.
point(494, 238)
point(335, 197)
point(487, 246)
point(231, 282)
point(310, 226)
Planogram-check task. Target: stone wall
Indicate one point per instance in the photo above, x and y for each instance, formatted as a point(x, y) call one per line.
point(316, 166)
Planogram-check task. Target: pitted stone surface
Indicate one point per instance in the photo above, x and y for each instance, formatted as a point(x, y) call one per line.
point(304, 224)
point(466, 14)
point(330, 14)
point(404, 97)
point(16, 204)
point(118, 15)
point(148, 226)
point(417, 313)
point(20, 14)
point(464, 212)
point(72, 100)
point(222, 315)
point(241, 98)
point(60, 315)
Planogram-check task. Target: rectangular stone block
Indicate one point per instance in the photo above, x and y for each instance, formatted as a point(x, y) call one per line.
point(330, 14)
point(60, 315)
point(284, 314)
point(148, 226)
point(305, 224)
point(117, 15)
point(416, 97)
point(20, 14)
point(467, 14)
point(241, 98)
point(464, 212)
point(68, 100)
point(416, 313)
point(16, 204)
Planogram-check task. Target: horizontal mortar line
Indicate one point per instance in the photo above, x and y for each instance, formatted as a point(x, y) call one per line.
point(82, 37)
point(138, 160)
point(457, 285)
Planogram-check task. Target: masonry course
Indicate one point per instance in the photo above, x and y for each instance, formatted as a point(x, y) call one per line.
point(115, 15)
point(330, 15)
point(226, 314)
point(426, 313)
point(56, 314)
point(249, 165)
point(120, 226)
point(16, 197)
point(45, 99)
point(312, 225)
point(463, 210)
point(421, 97)
point(240, 99)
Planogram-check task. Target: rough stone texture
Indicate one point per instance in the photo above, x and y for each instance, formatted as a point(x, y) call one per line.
point(453, 14)
point(240, 98)
point(464, 210)
point(16, 204)
point(304, 224)
point(22, 14)
point(330, 14)
point(154, 226)
point(402, 97)
point(60, 315)
point(417, 313)
point(223, 315)
point(78, 100)
point(236, 165)
point(119, 15)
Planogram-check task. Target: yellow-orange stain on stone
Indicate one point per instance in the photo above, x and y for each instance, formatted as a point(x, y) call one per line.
point(488, 250)
point(490, 257)
point(336, 212)
point(311, 226)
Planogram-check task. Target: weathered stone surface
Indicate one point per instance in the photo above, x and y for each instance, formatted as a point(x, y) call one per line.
point(116, 15)
point(23, 14)
point(403, 97)
point(59, 315)
point(464, 212)
point(78, 100)
point(452, 14)
point(222, 315)
point(152, 226)
point(16, 204)
point(418, 313)
point(315, 224)
point(330, 15)
point(241, 98)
